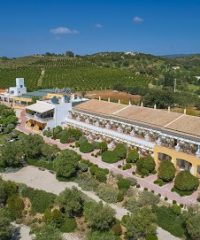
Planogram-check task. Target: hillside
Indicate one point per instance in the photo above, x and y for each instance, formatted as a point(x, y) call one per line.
point(101, 71)
point(80, 73)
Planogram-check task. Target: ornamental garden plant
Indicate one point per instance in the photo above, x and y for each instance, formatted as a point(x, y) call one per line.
point(185, 183)
point(166, 173)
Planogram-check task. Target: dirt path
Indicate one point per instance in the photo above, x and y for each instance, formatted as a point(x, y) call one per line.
point(39, 83)
point(44, 180)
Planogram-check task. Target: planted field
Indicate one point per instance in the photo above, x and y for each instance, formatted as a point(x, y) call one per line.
point(78, 74)
point(114, 96)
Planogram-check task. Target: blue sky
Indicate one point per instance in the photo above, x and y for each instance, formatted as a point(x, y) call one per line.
point(87, 26)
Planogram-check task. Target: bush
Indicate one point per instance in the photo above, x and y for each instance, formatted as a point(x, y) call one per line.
point(69, 225)
point(133, 156)
point(169, 221)
point(40, 200)
point(66, 164)
point(148, 198)
point(132, 181)
point(110, 157)
point(86, 147)
point(41, 163)
point(151, 237)
point(166, 171)
point(99, 173)
point(64, 137)
point(87, 182)
point(108, 193)
point(83, 167)
point(127, 166)
point(176, 209)
point(159, 182)
point(145, 165)
point(117, 229)
point(103, 146)
point(99, 235)
point(120, 151)
point(185, 183)
point(15, 207)
point(56, 132)
point(98, 216)
point(123, 184)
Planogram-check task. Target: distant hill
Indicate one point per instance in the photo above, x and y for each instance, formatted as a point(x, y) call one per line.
point(98, 71)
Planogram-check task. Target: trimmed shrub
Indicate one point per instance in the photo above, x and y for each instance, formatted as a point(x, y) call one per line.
point(145, 165)
point(86, 147)
point(64, 137)
point(185, 183)
point(120, 151)
point(109, 157)
point(133, 156)
point(166, 171)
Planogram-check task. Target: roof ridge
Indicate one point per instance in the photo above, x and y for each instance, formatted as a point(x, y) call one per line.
point(121, 109)
point(179, 117)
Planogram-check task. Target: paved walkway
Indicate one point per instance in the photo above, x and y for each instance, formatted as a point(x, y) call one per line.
point(44, 180)
point(146, 182)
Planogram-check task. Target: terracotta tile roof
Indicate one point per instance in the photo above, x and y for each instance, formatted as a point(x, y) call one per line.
point(161, 119)
point(99, 107)
point(187, 124)
point(148, 115)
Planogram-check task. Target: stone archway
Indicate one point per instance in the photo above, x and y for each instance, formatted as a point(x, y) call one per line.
point(183, 165)
point(164, 157)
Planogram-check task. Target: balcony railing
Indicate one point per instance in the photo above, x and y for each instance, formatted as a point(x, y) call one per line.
point(38, 118)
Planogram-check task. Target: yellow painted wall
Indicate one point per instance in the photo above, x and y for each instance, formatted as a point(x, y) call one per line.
point(195, 161)
point(51, 95)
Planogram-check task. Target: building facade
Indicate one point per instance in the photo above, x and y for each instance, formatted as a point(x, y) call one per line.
point(164, 134)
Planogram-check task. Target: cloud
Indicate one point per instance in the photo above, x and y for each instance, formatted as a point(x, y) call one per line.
point(98, 25)
point(137, 19)
point(63, 30)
